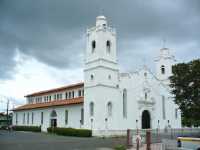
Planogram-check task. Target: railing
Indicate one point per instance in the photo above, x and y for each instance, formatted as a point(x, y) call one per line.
point(110, 29)
point(155, 137)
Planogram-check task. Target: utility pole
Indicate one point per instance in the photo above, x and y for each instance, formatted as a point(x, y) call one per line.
point(7, 111)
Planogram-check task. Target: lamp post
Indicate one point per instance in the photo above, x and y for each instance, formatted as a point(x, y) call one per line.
point(168, 123)
point(7, 110)
point(158, 136)
point(106, 123)
point(136, 123)
point(158, 124)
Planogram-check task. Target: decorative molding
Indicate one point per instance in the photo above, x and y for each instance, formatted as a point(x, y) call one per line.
point(100, 66)
point(104, 85)
point(146, 104)
point(165, 57)
point(101, 59)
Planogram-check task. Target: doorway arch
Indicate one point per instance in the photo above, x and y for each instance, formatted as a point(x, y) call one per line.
point(53, 118)
point(146, 120)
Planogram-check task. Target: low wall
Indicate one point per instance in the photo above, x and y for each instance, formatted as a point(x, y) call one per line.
point(109, 133)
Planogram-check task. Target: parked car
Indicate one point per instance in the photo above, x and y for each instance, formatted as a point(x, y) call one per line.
point(189, 143)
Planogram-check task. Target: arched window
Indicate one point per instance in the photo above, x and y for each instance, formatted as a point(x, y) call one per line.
point(163, 69)
point(91, 109)
point(109, 109)
point(108, 46)
point(124, 103)
point(109, 76)
point(93, 46)
point(145, 95)
point(53, 113)
point(91, 77)
point(176, 113)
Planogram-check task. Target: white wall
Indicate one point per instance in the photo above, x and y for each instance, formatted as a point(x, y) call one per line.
point(135, 83)
point(74, 116)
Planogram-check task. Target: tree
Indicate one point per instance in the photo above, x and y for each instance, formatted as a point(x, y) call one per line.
point(185, 83)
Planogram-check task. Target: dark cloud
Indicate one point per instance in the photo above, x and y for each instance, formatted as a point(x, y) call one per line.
point(53, 32)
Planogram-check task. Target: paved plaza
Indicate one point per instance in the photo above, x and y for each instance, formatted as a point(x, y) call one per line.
point(44, 141)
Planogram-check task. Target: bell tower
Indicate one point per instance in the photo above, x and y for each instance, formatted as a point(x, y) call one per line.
point(101, 42)
point(100, 73)
point(164, 64)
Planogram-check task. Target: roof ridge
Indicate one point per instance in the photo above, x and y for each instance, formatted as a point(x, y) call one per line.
point(55, 89)
point(76, 100)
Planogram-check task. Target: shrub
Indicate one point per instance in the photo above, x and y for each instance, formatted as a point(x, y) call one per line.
point(27, 128)
point(120, 147)
point(70, 132)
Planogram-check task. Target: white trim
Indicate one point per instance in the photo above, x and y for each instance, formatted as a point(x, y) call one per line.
point(100, 66)
point(100, 59)
point(99, 84)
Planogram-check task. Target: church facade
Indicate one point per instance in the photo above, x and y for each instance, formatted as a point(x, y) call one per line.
point(108, 101)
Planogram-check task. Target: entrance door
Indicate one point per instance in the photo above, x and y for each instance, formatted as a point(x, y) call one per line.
point(53, 122)
point(146, 120)
point(53, 119)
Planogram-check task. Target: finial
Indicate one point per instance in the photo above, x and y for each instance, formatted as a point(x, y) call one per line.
point(164, 42)
point(144, 62)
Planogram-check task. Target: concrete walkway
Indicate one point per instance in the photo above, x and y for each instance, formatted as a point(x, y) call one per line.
point(43, 141)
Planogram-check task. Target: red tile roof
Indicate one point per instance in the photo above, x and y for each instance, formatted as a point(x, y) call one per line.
point(68, 87)
point(78, 100)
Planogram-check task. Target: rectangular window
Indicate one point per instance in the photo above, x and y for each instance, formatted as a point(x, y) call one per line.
point(54, 96)
point(61, 96)
point(82, 92)
point(163, 107)
point(42, 117)
point(28, 118)
point(16, 118)
point(66, 95)
point(58, 97)
point(79, 93)
point(82, 116)
point(50, 98)
point(66, 116)
point(69, 95)
point(32, 117)
point(72, 94)
point(24, 118)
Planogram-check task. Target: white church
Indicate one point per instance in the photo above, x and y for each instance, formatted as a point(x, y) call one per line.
point(108, 101)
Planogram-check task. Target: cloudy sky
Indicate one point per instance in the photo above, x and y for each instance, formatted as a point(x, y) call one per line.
point(42, 42)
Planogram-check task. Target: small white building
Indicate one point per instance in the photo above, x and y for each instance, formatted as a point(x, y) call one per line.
point(108, 101)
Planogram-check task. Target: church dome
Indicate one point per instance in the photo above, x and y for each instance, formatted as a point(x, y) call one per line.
point(101, 18)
